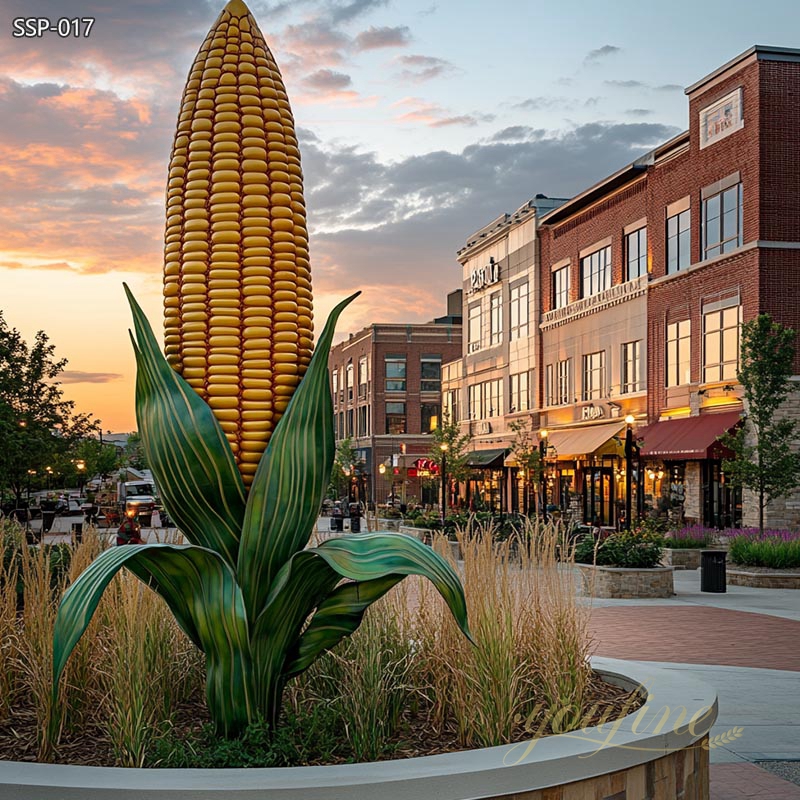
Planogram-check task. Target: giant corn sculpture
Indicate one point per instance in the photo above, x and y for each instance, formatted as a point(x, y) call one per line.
point(236, 419)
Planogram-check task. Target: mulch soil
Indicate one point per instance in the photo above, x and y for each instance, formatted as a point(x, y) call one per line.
point(90, 745)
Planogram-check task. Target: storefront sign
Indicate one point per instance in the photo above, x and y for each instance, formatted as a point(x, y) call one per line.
point(423, 468)
point(592, 412)
point(484, 276)
point(721, 119)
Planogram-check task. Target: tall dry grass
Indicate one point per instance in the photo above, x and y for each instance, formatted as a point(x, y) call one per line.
point(12, 539)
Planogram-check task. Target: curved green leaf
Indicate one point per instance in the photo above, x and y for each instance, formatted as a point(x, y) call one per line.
point(338, 616)
point(201, 591)
point(368, 556)
point(289, 486)
point(188, 453)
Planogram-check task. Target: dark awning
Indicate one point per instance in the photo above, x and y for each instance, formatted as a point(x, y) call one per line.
point(486, 459)
point(688, 437)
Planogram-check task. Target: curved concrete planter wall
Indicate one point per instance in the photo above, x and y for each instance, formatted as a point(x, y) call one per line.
point(634, 755)
point(626, 583)
point(682, 557)
point(739, 576)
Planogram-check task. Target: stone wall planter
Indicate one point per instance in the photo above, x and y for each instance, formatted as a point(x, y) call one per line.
point(634, 757)
point(772, 579)
point(682, 557)
point(626, 583)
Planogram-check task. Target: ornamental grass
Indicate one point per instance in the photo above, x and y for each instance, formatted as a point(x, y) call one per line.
point(774, 549)
point(407, 682)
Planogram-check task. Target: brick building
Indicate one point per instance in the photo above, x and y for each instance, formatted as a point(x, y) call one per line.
point(640, 287)
point(386, 382)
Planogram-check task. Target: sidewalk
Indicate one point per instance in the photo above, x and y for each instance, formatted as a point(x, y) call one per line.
point(745, 643)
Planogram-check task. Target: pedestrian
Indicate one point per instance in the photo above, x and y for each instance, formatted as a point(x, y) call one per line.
point(130, 532)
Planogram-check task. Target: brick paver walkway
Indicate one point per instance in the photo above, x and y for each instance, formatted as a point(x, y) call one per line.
point(696, 635)
point(745, 781)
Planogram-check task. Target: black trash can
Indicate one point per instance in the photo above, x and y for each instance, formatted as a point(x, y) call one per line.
point(712, 571)
point(355, 518)
point(337, 521)
point(48, 517)
point(77, 531)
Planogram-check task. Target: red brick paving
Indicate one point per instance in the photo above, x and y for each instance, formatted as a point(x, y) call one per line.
point(701, 635)
point(744, 781)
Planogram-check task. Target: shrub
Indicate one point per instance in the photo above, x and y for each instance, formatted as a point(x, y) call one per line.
point(632, 549)
point(692, 536)
point(773, 549)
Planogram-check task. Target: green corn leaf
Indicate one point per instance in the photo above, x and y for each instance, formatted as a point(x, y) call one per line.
point(368, 556)
point(188, 453)
point(201, 591)
point(292, 477)
point(338, 616)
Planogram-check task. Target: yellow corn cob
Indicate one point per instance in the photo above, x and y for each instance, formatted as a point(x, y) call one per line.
point(237, 285)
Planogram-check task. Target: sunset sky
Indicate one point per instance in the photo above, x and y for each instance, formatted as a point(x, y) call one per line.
point(419, 122)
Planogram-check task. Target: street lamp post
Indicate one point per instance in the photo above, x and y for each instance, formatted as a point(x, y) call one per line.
point(542, 455)
point(443, 448)
point(81, 467)
point(629, 420)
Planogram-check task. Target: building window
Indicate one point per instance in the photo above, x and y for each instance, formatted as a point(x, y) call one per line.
point(395, 373)
point(519, 393)
point(486, 399)
point(430, 374)
point(679, 239)
point(363, 377)
point(518, 310)
point(431, 417)
point(636, 254)
point(351, 428)
point(678, 353)
point(335, 384)
point(340, 425)
point(363, 420)
point(559, 385)
point(721, 344)
point(495, 318)
point(722, 222)
point(396, 418)
point(594, 375)
point(451, 409)
point(631, 368)
point(474, 328)
point(349, 381)
point(596, 272)
point(561, 287)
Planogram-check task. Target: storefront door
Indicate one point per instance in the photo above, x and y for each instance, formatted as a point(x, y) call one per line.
point(722, 503)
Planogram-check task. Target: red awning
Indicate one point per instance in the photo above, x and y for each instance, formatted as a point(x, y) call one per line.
point(688, 437)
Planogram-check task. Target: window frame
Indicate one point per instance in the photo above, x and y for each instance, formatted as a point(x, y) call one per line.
point(594, 365)
point(627, 386)
point(598, 278)
point(560, 287)
point(519, 392)
point(391, 415)
point(724, 244)
point(474, 327)
point(675, 242)
point(495, 318)
point(641, 255)
point(683, 334)
point(430, 358)
point(392, 358)
point(727, 367)
point(519, 310)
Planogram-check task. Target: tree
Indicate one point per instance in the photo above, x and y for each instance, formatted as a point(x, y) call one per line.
point(37, 425)
point(345, 463)
point(449, 433)
point(767, 467)
point(134, 451)
point(526, 453)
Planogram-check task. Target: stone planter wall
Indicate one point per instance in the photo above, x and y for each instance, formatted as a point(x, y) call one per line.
point(626, 583)
point(640, 757)
point(739, 576)
point(683, 557)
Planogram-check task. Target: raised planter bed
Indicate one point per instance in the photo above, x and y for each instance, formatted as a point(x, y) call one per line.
point(621, 582)
point(682, 557)
point(635, 757)
point(763, 578)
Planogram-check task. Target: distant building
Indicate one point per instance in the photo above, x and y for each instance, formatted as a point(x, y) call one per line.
point(386, 382)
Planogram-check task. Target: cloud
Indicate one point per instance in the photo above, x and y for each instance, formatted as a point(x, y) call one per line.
point(669, 87)
point(600, 53)
point(639, 112)
point(392, 229)
point(541, 103)
point(434, 115)
point(376, 38)
point(77, 376)
point(327, 79)
point(345, 12)
point(420, 68)
point(628, 84)
point(313, 44)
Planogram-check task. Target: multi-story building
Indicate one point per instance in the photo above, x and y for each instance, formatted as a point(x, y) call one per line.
point(386, 383)
point(493, 384)
point(636, 302)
